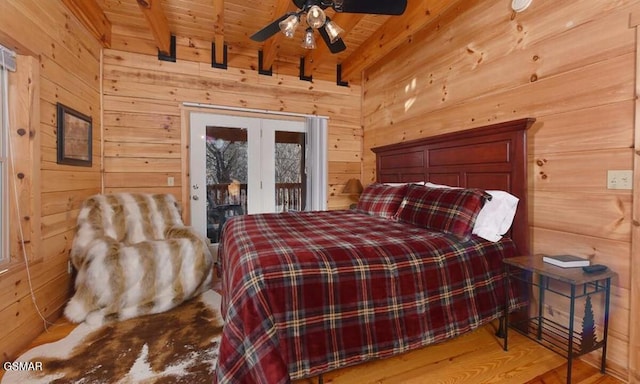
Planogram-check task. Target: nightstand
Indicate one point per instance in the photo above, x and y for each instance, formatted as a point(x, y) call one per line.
point(569, 283)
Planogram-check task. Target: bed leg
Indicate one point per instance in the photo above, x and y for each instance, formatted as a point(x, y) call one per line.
point(501, 331)
point(320, 380)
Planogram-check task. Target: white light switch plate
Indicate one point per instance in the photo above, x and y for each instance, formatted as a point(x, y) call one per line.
point(619, 179)
point(170, 181)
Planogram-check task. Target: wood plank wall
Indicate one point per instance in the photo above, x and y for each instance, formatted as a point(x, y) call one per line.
point(59, 62)
point(568, 64)
point(634, 334)
point(145, 138)
point(138, 39)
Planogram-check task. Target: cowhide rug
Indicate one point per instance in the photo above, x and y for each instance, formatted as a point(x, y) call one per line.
point(177, 346)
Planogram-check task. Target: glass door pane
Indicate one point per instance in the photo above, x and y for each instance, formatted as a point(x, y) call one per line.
point(226, 176)
point(290, 177)
point(243, 165)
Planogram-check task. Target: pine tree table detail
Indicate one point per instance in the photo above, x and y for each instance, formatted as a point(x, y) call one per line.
point(589, 341)
point(571, 283)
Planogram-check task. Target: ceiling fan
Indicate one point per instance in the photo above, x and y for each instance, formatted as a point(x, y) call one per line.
point(312, 11)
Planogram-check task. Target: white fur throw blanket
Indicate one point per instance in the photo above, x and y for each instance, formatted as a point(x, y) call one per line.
point(134, 256)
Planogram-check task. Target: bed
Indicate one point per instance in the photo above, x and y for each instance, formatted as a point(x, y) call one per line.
point(308, 292)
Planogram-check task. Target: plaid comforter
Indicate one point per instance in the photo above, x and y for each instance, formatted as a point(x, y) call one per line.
point(309, 292)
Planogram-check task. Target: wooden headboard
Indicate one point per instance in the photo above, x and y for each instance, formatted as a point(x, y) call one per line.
point(488, 157)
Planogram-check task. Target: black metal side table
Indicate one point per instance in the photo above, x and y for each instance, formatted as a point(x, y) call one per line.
point(562, 339)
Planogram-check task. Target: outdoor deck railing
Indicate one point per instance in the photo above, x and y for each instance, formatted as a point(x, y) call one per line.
point(289, 196)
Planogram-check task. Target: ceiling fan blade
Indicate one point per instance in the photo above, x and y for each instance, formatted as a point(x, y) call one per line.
point(336, 47)
point(269, 30)
point(377, 7)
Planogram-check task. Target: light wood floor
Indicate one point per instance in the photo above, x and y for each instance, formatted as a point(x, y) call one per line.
point(475, 358)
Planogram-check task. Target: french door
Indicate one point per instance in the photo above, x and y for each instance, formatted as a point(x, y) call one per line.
point(244, 165)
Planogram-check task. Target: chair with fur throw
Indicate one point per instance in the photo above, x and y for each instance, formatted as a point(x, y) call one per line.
point(134, 256)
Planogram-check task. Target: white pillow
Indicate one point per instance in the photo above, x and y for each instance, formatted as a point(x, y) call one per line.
point(401, 184)
point(495, 217)
point(432, 185)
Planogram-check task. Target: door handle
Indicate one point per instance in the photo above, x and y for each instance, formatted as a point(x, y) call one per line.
point(195, 197)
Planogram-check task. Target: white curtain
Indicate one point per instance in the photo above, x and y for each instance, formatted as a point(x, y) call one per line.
point(7, 63)
point(316, 164)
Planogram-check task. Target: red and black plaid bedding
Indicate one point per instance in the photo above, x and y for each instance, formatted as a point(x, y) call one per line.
point(309, 292)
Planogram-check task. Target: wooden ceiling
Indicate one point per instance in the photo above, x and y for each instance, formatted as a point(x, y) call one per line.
point(127, 24)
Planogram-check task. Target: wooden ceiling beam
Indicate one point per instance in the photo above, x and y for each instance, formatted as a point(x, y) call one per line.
point(315, 57)
point(93, 18)
point(271, 46)
point(394, 32)
point(157, 20)
point(218, 27)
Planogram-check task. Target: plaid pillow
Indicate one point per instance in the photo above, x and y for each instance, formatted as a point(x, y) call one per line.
point(451, 211)
point(381, 200)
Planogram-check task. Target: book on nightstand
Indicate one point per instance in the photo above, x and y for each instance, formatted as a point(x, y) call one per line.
point(566, 261)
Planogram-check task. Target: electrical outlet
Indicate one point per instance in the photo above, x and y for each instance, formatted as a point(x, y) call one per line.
point(620, 179)
point(170, 181)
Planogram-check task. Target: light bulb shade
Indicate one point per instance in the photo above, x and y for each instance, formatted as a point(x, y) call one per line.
point(316, 17)
point(309, 41)
point(353, 187)
point(288, 26)
point(333, 31)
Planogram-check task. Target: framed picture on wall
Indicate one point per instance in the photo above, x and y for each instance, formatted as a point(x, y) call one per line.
point(74, 137)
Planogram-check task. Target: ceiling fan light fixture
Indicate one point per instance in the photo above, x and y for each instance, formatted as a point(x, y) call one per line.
point(288, 26)
point(309, 41)
point(334, 31)
point(316, 17)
